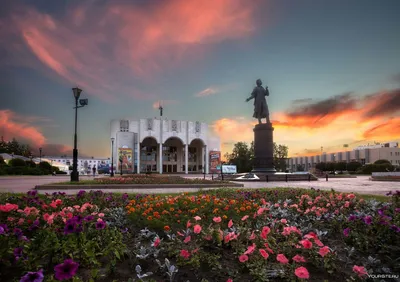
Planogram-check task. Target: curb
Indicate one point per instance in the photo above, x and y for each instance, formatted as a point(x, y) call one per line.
point(133, 186)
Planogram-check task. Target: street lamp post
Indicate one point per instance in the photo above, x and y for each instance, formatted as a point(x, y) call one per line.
point(120, 160)
point(40, 155)
point(112, 157)
point(82, 102)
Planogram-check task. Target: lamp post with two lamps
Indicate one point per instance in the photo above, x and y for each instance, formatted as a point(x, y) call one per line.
point(82, 102)
point(112, 157)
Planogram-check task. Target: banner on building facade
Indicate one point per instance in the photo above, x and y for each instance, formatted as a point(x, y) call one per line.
point(125, 158)
point(215, 161)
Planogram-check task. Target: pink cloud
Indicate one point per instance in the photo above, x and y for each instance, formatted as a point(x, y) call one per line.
point(13, 126)
point(207, 92)
point(108, 50)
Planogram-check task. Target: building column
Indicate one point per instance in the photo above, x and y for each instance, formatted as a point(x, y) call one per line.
point(160, 152)
point(138, 156)
point(186, 158)
point(207, 161)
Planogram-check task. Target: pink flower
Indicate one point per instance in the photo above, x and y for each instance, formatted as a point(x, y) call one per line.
point(230, 223)
point(229, 280)
point(197, 218)
point(318, 242)
point(217, 219)
point(260, 211)
point(302, 272)
point(208, 237)
point(250, 249)
point(21, 221)
point(8, 207)
point(252, 236)
point(157, 242)
point(185, 254)
point(360, 270)
point(101, 214)
point(263, 253)
point(180, 234)
point(324, 251)
point(188, 224)
point(306, 244)
point(265, 231)
point(245, 217)
point(298, 258)
point(284, 221)
point(197, 229)
point(187, 239)
point(282, 259)
point(243, 258)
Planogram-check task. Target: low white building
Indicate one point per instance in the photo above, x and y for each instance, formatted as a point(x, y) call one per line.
point(85, 165)
point(365, 154)
point(161, 145)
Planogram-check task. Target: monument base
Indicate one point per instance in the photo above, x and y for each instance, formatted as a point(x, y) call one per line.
point(263, 149)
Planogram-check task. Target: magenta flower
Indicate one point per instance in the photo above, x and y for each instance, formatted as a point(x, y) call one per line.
point(100, 225)
point(66, 270)
point(368, 220)
point(33, 277)
point(346, 232)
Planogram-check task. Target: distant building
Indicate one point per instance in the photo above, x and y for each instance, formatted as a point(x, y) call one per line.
point(85, 165)
point(364, 154)
point(162, 145)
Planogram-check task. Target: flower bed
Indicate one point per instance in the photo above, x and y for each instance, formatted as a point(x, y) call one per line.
point(145, 179)
point(225, 235)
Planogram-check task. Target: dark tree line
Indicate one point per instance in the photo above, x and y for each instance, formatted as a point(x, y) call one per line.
point(14, 147)
point(243, 155)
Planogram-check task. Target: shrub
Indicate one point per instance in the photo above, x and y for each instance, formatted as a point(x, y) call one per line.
point(17, 162)
point(369, 168)
point(60, 172)
point(2, 160)
point(382, 162)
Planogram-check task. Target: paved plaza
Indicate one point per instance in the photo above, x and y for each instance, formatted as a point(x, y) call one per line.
point(361, 184)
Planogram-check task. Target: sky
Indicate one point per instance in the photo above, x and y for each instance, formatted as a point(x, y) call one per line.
point(332, 69)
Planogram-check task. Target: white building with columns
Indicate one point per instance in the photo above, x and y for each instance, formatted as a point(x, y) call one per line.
point(161, 145)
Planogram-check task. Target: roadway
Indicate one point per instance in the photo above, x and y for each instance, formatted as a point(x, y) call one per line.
point(361, 184)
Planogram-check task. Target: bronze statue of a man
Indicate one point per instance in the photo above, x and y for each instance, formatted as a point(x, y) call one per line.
point(260, 103)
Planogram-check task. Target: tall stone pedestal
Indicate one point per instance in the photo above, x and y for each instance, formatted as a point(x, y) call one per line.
point(263, 149)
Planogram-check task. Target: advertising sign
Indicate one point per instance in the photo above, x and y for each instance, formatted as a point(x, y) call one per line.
point(125, 156)
point(215, 161)
point(229, 169)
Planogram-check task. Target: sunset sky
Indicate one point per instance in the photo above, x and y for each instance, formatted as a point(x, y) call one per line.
point(332, 68)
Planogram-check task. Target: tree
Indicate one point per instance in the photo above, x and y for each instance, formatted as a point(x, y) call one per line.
point(330, 166)
point(1, 160)
point(340, 166)
point(280, 156)
point(353, 166)
point(321, 166)
point(241, 157)
point(382, 162)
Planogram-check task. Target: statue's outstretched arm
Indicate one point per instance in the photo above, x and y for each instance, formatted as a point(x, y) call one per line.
point(253, 95)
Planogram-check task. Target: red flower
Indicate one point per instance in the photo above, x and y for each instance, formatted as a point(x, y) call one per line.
point(360, 270)
point(197, 229)
point(243, 258)
point(298, 258)
point(302, 272)
point(282, 259)
point(324, 251)
point(263, 253)
point(306, 244)
point(185, 254)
